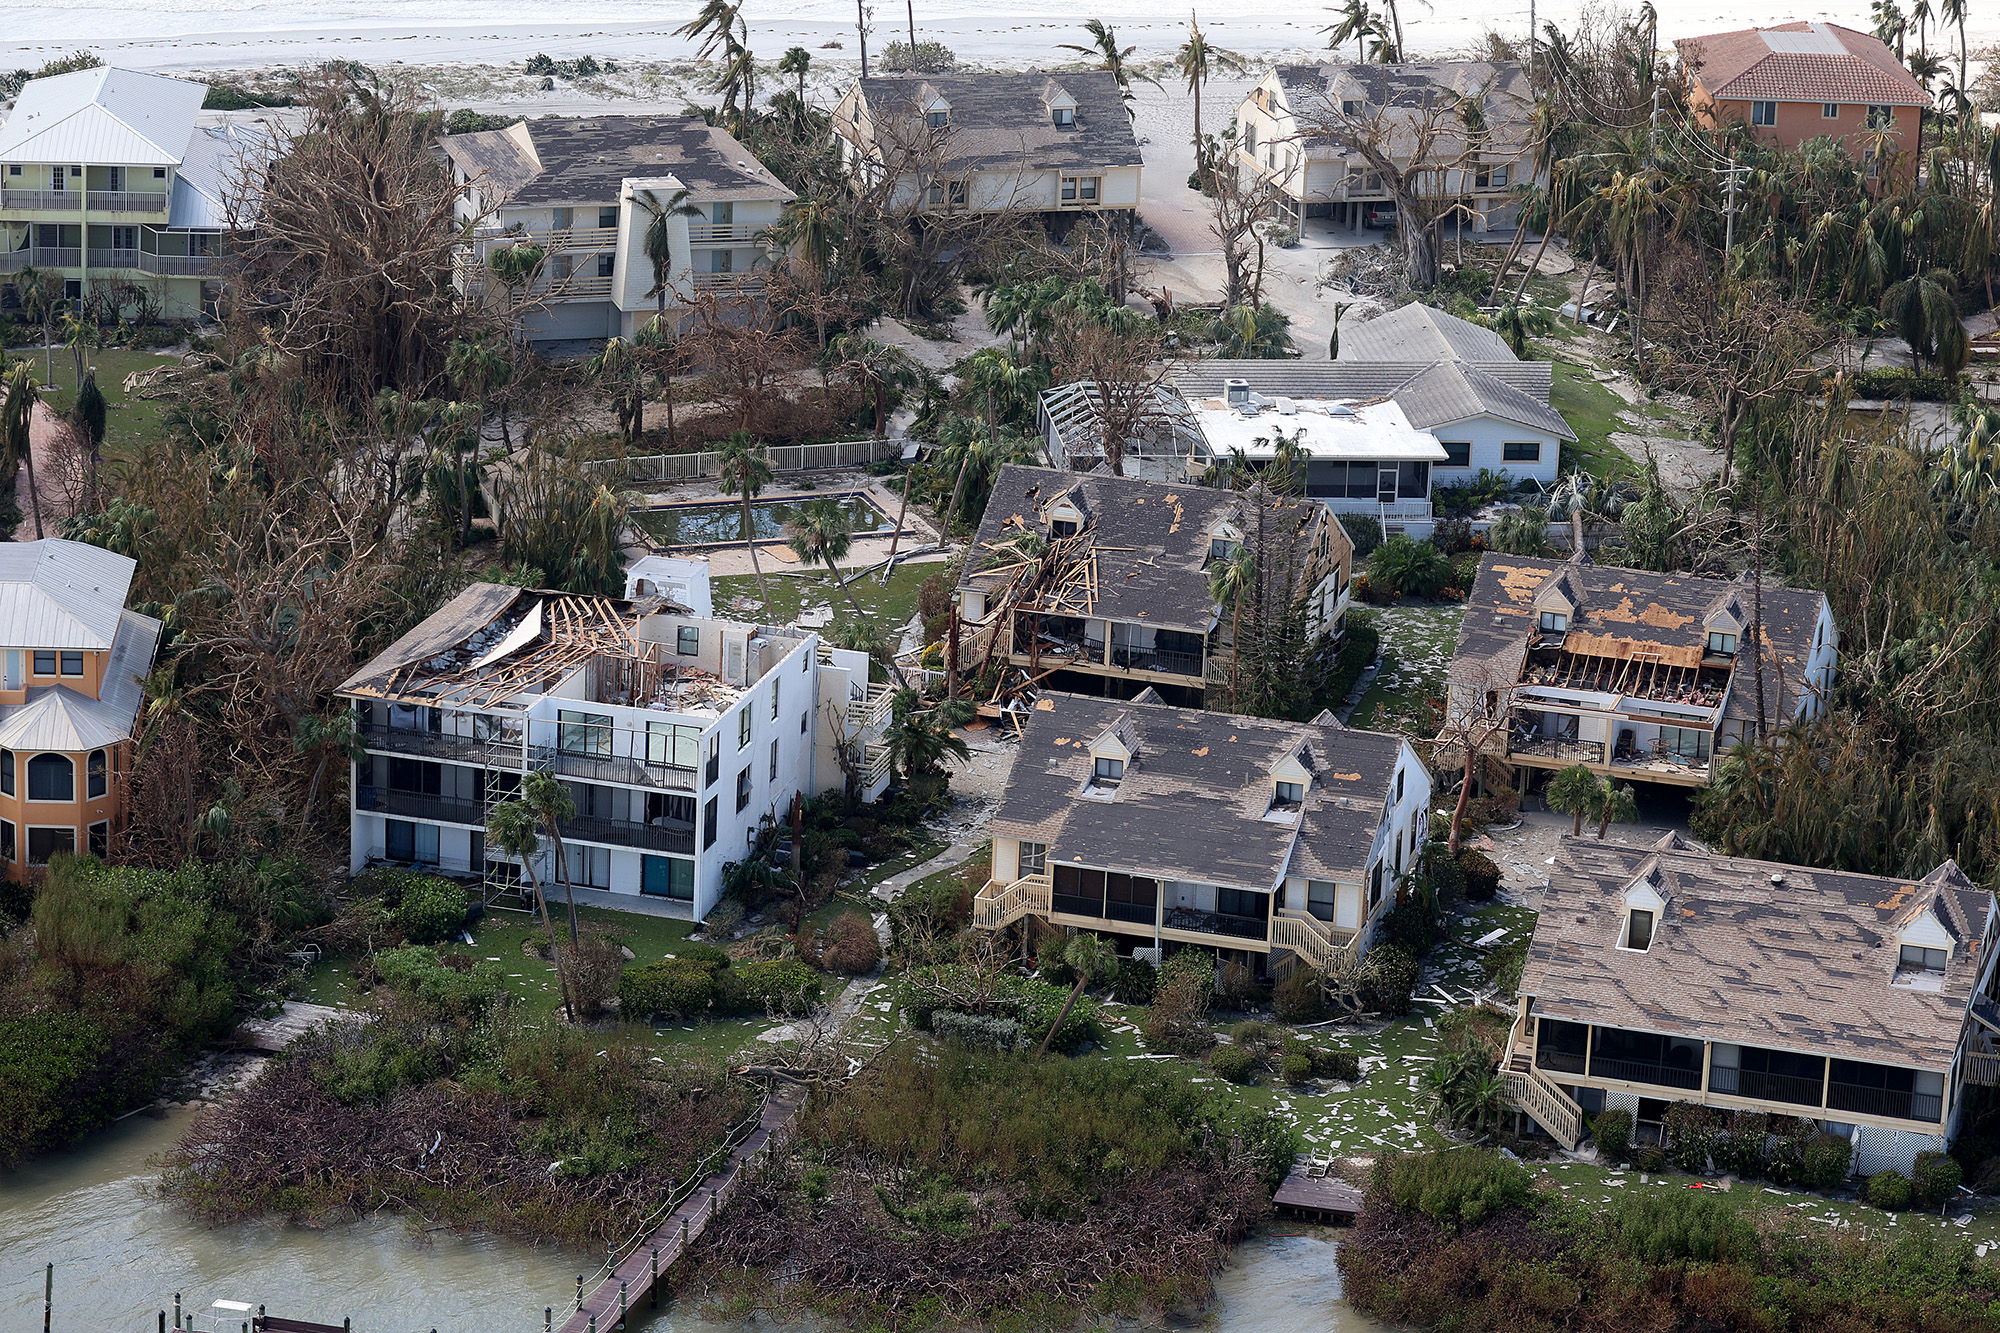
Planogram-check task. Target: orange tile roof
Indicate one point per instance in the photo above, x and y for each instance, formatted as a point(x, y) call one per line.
point(1807, 62)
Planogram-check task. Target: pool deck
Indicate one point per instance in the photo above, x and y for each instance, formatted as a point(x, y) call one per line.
point(777, 557)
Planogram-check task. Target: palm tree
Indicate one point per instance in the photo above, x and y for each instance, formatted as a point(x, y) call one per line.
point(744, 471)
point(1517, 322)
point(514, 267)
point(883, 367)
point(821, 534)
point(712, 26)
point(1112, 58)
point(1953, 11)
point(1357, 24)
point(797, 60)
point(1621, 805)
point(1092, 958)
point(921, 739)
point(1889, 23)
point(1001, 375)
point(510, 826)
point(323, 736)
point(17, 432)
point(554, 806)
point(1922, 309)
point(1197, 61)
point(479, 367)
point(1231, 583)
point(41, 295)
point(88, 414)
point(1286, 472)
point(658, 240)
point(1576, 791)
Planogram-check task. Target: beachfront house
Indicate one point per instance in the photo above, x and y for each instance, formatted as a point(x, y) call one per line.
point(1637, 676)
point(1053, 145)
point(583, 191)
point(1801, 81)
point(1288, 135)
point(1270, 842)
point(1099, 584)
point(677, 736)
point(1662, 974)
point(121, 185)
point(72, 682)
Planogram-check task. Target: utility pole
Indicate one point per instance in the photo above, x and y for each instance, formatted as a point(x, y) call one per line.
point(861, 26)
point(1729, 216)
point(1531, 48)
point(911, 7)
point(1654, 123)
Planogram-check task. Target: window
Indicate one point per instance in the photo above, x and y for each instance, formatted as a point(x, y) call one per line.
point(1080, 189)
point(72, 664)
point(743, 790)
point(1881, 117)
point(1250, 137)
point(607, 218)
point(124, 238)
point(714, 760)
point(607, 265)
point(1554, 622)
point(724, 261)
point(6, 772)
point(1521, 451)
point(954, 194)
point(1690, 743)
point(746, 719)
point(58, 179)
point(14, 170)
point(97, 776)
point(1109, 772)
point(1457, 453)
point(669, 746)
point(1034, 858)
point(1221, 548)
point(1064, 117)
point(1319, 899)
point(1829, 111)
point(687, 640)
point(1916, 958)
point(1375, 884)
point(1065, 527)
point(1399, 786)
point(935, 197)
point(44, 843)
point(774, 700)
point(99, 839)
point(7, 852)
point(667, 877)
point(1289, 793)
point(805, 717)
point(1240, 902)
point(51, 777)
point(708, 823)
point(45, 663)
point(723, 214)
point(1349, 107)
point(1763, 113)
point(938, 120)
point(159, 173)
point(774, 761)
point(1720, 644)
point(583, 733)
point(1639, 929)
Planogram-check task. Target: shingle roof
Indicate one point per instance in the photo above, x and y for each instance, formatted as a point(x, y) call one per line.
point(1150, 539)
point(1501, 87)
point(61, 594)
point(568, 160)
point(1422, 333)
point(1002, 121)
point(1627, 611)
point(1800, 62)
point(105, 115)
point(1193, 801)
point(1801, 963)
point(1431, 393)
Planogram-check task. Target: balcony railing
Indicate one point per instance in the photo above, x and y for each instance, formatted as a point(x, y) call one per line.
point(442, 745)
point(1560, 1062)
point(1764, 1087)
point(553, 241)
point(1560, 748)
point(175, 265)
point(446, 809)
point(575, 287)
point(1215, 923)
point(612, 768)
point(1647, 1071)
point(632, 833)
point(1884, 1102)
point(728, 282)
point(71, 200)
point(42, 256)
point(125, 201)
point(707, 233)
point(100, 258)
point(1142, 914)
point(1157, 659)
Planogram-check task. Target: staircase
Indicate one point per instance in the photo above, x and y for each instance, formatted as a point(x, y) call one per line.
point(1000, 905)
point(1318, 948)
point(1531, 1090)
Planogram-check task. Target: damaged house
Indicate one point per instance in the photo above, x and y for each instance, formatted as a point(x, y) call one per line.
point(676, 735)
point(1100, 585)
point(1638, 676)
point(1662, 974)
point(1268, 841)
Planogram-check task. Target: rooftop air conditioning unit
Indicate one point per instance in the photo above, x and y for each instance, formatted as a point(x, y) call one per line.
point(1236, 392)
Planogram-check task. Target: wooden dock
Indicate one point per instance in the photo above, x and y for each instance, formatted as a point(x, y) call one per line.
point(1312, 1191)
point(649, 1260)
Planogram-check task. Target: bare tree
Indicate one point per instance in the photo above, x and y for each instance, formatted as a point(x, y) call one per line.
point(1121, 356)
point(1238, 205)
point(1478, 711)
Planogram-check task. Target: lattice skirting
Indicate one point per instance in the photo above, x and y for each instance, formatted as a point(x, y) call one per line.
point(1877, 1150)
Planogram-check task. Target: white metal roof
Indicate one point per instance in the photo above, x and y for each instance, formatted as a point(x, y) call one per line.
point(103, 116)
point(57, 717)
point(222, 159)
point(61, 594)
point(1332, 431)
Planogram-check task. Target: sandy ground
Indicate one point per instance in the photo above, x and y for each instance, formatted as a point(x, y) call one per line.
point(42, 433)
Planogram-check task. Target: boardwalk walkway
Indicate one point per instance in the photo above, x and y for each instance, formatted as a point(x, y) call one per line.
point(636, 1273)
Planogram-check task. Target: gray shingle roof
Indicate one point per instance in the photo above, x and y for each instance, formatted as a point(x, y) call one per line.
point(569, 160)
point(1431, 393)
point(1421, 333)
point(1801, 964)
point(1002, 121)
point(1193, 800)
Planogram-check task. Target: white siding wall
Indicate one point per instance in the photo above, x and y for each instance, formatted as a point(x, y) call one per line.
point(1489, 437)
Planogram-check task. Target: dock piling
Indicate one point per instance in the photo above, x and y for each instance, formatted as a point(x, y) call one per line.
point(548, 1318)
point(621, 1303)
point(163, 1321)
point(48, 1294)
point(656, 1277)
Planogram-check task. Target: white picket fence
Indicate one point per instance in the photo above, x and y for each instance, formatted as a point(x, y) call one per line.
point(784, 458)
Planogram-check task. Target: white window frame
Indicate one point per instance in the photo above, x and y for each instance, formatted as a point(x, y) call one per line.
point(1764, 113)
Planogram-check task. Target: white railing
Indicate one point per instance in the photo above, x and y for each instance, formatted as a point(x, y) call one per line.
point(999, 905)
point(878, 764)
point(1548, 1105)
point(1314, 943)
point(783, 458)
point(701, 233)
point(728, 282)
point(70, 200)
point(125, 201)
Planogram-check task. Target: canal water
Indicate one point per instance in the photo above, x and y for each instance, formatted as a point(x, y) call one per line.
point(121, 1254)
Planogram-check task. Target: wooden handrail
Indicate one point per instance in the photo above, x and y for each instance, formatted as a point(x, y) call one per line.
point(998, 905)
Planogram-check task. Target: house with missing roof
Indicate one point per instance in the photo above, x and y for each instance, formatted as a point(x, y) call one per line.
point(1055, 145)
point(1287, 137)
point(585, 189)
point(1662, 974)
point(1099, 584)
point(678, 735)
point(1637, 676)
point(1269, 842)
point(1801, 81)
point(112, 176)
point(72, 684)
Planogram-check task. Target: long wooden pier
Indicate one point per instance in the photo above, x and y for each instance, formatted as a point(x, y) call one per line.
point(633, 1279)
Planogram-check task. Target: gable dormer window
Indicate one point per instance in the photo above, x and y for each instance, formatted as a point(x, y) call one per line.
point(1917, 958)
point(1064, 527)
point(1108, 772)
point(1222, 549)
point(1064, 117)
point(1720, 644)
point(938, 120)
point(1288, 794)
point(1554, 622)
point(1638, 930)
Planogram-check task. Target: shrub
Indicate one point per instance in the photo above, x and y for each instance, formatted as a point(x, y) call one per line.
point(928, 58)
point(1409, 567)
point(1365, 532)
point(1888, 1191)
point(594, 966)
point(1503, 964)
point(1300, 997)
point(47, 1094)
point(1388, 978)
point(940, 906)
point(982, 1032)
point(1252, 1034)
point(1740, 1147)
point(674, 987)
point(1359, 647)
point(1135, 982)
point(1453, 1187)
point(1613, 1131)
point(777, 986)
point(1828, 1158)
point(1935, 1179)
point(1233, 1063)
point(1691, 1132)
point(430, 909)
point(1238, 988)
point(1785, 1158)
point(1050, 966)
point(852, 947)
point(1482, 875)
point(1667, 1226)
point(697, 952)
point(450, 988)
point(1296, 1068)
point(926, 992)
point(1344, 1066)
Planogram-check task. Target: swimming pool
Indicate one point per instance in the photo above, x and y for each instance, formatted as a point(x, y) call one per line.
point(722, 524)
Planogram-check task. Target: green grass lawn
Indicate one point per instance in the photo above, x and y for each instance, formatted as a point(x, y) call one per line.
point(129, 420)
point(1417, 643)
point(1592, 412)
point(890, 606)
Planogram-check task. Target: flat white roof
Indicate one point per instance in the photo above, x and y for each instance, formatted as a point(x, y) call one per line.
point(1334, 430)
